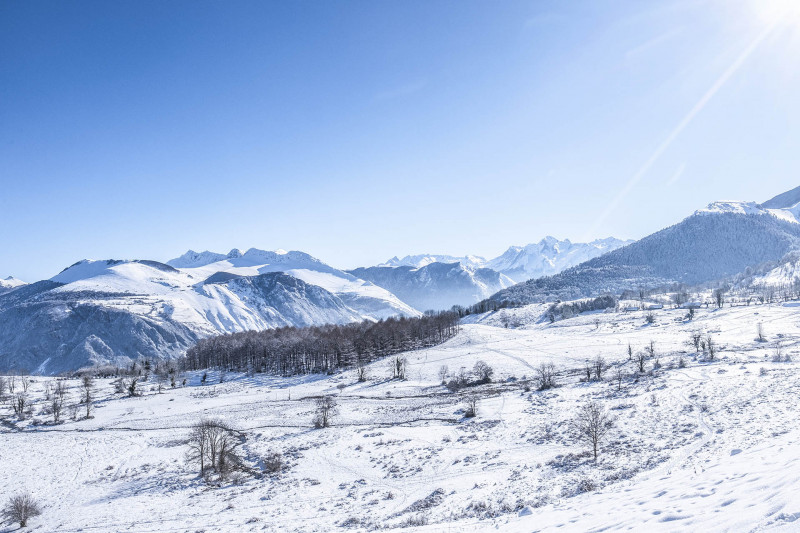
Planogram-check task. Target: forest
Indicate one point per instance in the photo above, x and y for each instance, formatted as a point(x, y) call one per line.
point(290, 351)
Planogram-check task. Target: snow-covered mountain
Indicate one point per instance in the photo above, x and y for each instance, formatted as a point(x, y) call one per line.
point(111, 311)
point(369, 300)
point(520, 263)
point(436, 285)
point(720, 240)
point(10, 283)
point(421, 260)
point(549, 256)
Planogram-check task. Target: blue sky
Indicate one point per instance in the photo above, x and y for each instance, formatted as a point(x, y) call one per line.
point(360, 130)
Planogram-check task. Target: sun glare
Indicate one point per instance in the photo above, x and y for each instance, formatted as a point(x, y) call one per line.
point(777, 11)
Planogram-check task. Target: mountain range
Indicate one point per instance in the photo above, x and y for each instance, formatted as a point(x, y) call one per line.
point(718, 241)
point(113, 311)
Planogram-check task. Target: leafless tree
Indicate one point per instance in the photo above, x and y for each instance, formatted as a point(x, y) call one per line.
point(21, 508)
point(12, 383)
point(599, 365)
point(87, 393)
point(3, 388)
point(471, 409)
point(587, 368)
point(630, 352)
point(545, 376)
point(711, 348)
point(361, 372)
point(619, 375)
point(131, 386)
point(592, 424)
point(651, 350)
point(24, 380)
point(443, 373)
point(215, 447)
point(719, 297)
point(397, 367)
point(760, 332)
point(641, 358)
point(19, 404)
point(327, 408)
point(696, 339)
point(483, 372)
point(57, 400)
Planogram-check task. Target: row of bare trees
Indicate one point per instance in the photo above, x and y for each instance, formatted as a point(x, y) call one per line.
point(290, 351)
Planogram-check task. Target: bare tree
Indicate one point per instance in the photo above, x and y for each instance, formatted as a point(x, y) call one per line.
point(760, 332)
point(24, 380)
point(696, 339)
point(327, 408)
point(711, 348)
point(641, 358)
point(3, 388)
point(21, 508)
point(587, 368)
point(131, 386)
point(619, 375)
point(719, 297)
point(19, 404)
point(630, 352)
point(215, 447)
point(599, 365)
point(397, 366)
point(57, 400)
point(361, 372)
point(483, 372)
point(592, 424)
point(12, 383)
point(87, 393)
point(443, 373)
point(545, 376)
point(651, 349)
point(471, 409)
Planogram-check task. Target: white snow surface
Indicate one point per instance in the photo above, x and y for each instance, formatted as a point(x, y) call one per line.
point(703, 446)
point(369, 300)
point(789, 214)
point(11, 283)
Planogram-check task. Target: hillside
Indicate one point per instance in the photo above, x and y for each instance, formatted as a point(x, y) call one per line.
point(719, 241)
point(436, 286)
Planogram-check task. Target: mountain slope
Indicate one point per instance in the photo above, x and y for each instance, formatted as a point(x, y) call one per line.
point(98, 312)
point(370, 300)
point(715, 242)
point(436, 285)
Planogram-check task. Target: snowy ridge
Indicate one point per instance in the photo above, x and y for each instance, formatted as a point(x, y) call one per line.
point(788, 214)
point(520, 263)
point(97, 312)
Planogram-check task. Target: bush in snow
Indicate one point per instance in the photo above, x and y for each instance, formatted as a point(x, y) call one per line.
point(483, 372)
point(21, 508)
point(545, 377)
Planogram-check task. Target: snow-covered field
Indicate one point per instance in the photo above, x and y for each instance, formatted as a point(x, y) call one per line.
point(703, 445)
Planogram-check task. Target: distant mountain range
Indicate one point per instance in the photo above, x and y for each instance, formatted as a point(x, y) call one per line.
point(520, 263)
point(112, 311)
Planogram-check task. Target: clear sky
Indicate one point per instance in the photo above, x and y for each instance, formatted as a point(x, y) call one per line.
point(356, 131)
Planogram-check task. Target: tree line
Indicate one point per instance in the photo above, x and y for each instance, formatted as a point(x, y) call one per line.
point(290, 351)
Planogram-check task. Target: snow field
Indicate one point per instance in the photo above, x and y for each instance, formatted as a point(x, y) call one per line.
point(711, 446)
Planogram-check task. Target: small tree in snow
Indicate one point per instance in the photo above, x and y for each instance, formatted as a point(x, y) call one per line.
point(87, 393)
point(545, 376)
point(327, 408)
point(471, 409)
point(592, 424)
point(443, 370)
point(20, 509)
point(483, 372)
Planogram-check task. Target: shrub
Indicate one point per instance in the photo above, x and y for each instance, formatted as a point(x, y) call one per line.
point(21, 508)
